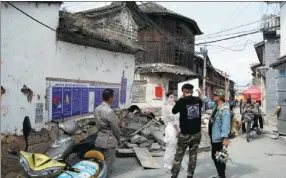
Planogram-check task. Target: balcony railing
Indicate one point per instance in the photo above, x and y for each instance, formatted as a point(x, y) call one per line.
point(271, 24)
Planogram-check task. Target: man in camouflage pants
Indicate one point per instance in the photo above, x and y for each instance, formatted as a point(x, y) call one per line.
point(189, 108)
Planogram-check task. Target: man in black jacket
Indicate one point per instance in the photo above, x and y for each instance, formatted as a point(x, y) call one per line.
point(189, 108)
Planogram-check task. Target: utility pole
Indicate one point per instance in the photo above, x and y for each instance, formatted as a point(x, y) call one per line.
point(204, 51)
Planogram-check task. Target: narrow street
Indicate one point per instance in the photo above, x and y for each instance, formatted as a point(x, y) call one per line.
point(248, 160)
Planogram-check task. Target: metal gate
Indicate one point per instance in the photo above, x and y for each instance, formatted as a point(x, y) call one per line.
point(281, 101)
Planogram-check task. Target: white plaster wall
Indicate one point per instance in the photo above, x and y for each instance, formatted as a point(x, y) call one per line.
point(86, 63)
point(30, 53)
point(283, 30)
point(154, 80)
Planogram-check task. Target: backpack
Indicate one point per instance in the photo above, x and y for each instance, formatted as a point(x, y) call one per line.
point(234, 124)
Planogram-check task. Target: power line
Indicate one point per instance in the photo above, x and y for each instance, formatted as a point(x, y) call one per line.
point(31, 17)
point(241, 12)
point(231, 15)
point(245, 34)
point(229, 34)
point(236, 27)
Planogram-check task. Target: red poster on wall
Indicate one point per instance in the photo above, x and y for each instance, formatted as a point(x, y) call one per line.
point(159, 92)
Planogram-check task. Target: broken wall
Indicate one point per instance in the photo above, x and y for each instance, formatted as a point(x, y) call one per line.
point(31, 52)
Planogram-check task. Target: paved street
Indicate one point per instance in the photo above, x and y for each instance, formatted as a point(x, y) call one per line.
point(248, 160)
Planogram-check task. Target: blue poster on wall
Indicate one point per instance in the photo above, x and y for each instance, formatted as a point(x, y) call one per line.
point(123, 90)
point(76, 101)
point(98, 96)
point(84, 100)
point(67, 92)
point(57, 101)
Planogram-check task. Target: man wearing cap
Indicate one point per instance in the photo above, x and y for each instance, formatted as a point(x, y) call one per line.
point(219, 126)
point(190, 135)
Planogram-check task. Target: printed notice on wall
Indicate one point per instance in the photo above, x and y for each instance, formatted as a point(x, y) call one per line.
point(97, 96)
point(39, 113)
point(91, 100)
point(123, 90)
point(57, 93)
point(76, 101)
point(69, 99)
point(84, 100)
point(67, 91)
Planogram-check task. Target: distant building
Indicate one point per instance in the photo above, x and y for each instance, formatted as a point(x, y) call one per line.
point(268, 51)
point(280, 66)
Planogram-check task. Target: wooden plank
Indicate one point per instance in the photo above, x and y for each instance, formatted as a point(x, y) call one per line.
point(131, 153)
point(145, 158)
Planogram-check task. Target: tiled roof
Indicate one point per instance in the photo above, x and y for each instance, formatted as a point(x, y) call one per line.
point(156, 9)
point(112, 6)
point(281, 61)
point(78, 28)
point(164, 68)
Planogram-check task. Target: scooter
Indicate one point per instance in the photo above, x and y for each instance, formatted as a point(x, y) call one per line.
point(249, 120)
point(54, 161)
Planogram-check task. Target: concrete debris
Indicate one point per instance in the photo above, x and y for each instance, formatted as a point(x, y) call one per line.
point(135, 139)
point(155, 146)
point(131, 145)
point(146, 132)
point(143, 139)
point(145, 144)
point(159, 137)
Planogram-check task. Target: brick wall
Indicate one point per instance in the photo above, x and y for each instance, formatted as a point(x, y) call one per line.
point(121, 25)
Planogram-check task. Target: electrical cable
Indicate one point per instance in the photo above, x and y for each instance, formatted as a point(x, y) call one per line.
point(231, 16)
point(241, 12)
point(235, 33)
point(236, 27)
point(241, 35)
point(30, 16)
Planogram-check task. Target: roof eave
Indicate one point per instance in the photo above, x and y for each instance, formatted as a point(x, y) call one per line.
point(191, 21)
point(280, 62)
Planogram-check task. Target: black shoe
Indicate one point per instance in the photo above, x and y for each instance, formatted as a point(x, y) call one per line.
point(189, 176)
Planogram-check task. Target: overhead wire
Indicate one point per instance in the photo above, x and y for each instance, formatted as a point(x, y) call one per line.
point(241, 12)
point(231, 16)
point(237, 36)
point(30, 16)
point(236, 27)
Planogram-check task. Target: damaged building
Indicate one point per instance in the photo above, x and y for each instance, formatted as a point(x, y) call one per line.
point(60, 70)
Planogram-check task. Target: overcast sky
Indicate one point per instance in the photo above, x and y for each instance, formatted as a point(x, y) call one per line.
point(211, 18)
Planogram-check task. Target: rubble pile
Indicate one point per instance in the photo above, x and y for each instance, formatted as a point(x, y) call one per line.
point(143, 131)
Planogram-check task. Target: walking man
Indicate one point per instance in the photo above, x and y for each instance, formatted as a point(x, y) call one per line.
point(189, 108)
point(219, 126)
point(108, 127)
